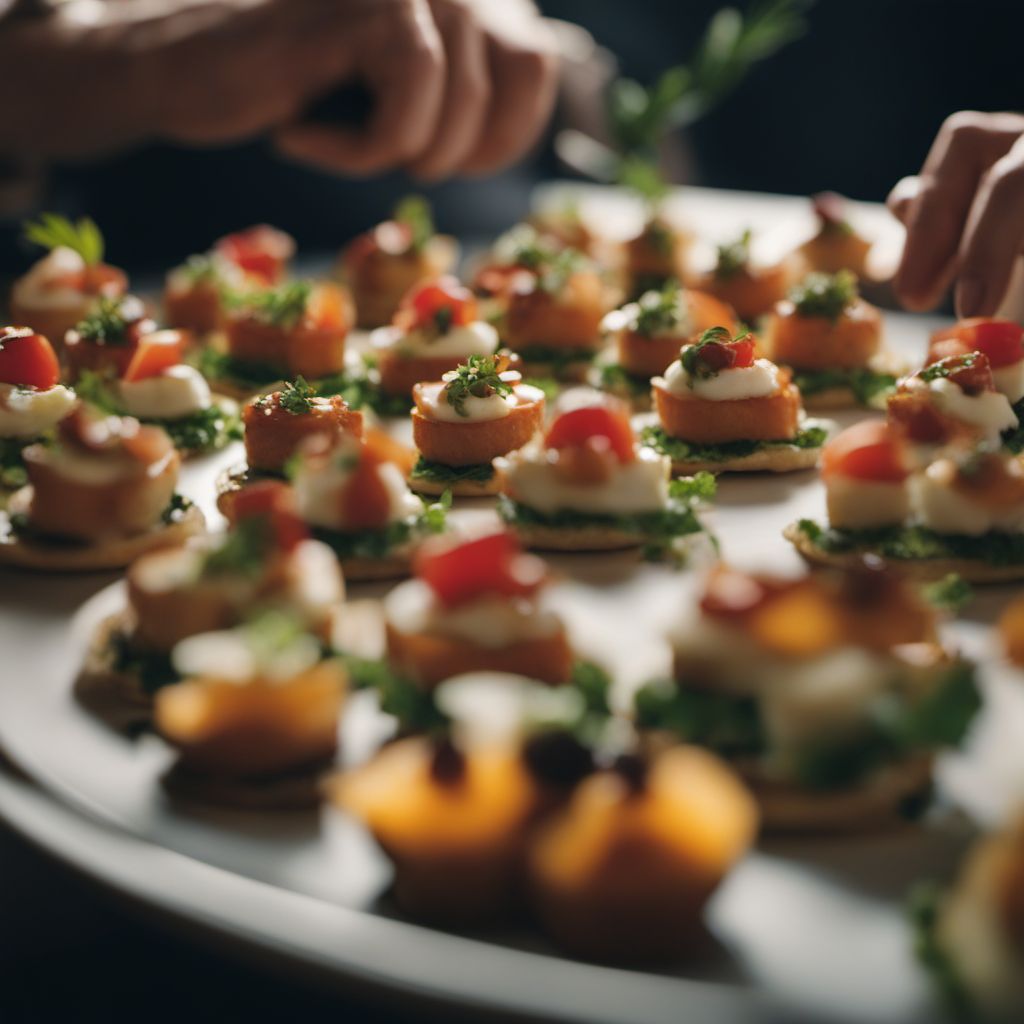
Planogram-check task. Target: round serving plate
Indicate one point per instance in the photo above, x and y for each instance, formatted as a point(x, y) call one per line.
point(806, 926)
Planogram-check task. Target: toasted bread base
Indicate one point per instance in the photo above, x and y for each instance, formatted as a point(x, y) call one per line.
point(300, 790)
point(458, 488)
point(366, 570)
point(831, 399)
point(875, 804)
point(776, 459)
point(591, 538)
point(115, 553)
point(924, 569)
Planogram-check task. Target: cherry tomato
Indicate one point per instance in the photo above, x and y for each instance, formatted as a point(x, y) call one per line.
point(155, 352)
point(365, 500)
point(493, 564)
point(1002, 341)
point(261, 251)
point(443, 301)
point(970, 372)
point(728, 355)
point(865, 451)
point(27, 359)
point(609, 420)
point(271, 500)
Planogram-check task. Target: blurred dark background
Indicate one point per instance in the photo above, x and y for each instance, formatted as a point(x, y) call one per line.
point(852, 106)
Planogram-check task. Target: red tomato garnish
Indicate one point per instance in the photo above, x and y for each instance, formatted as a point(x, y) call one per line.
point(156, 352)
point(27, 359)
point(502, 279)
point(1002, 341)
point(913, 415)
point(609, 420)
point(728, 355)
point(970, 372)
point(261, 250)
point(328, 307)
point(270, 500)
point(443, 302)
point(493, 564)
point(865, 451)
point(365, 501)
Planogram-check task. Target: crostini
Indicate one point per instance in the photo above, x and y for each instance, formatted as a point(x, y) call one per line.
point(654, 256)
point(970, 937)
point(475, 605)
point(158, 387)
point(354, 497)
point(97, 497)
point(751, 289)
point(623, 871)
point(829, 692)
point(836, 245)
point(963, 506)
point(196, 292)
point(649, 333)
point(276, 334)
point(382, 265)
point(254, 719)
point(266, 561)
point(62, 288)
point(435, 328)
point(32, 399)
point(831, 339)
point(589, 486)
point(463, 422)
point(722, 409)
point(106, 340)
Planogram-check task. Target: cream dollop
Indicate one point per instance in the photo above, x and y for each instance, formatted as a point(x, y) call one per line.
point(174, 394)
point(1009, 380)
point(634, 487)
point(489, 621)
point(938, 505)
point(474, 339)
point(755, 381)
point(36, 288)
point(990, 411)
point(28, 413)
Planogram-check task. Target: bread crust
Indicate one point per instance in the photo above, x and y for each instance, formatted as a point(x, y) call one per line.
point(776, 459)
point(458, 488)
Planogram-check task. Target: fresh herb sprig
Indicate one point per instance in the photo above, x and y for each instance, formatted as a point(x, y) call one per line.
point(297, 396)
point(107, 323)
point(825, 295)
point(54, 231)
point(414, 213)
point(733, 257)
point(691, 358)
point(478, 377)
point(660, 310)
point(283, 306)
point(947, 367)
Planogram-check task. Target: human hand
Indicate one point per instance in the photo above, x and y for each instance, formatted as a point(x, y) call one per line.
point(964, 215)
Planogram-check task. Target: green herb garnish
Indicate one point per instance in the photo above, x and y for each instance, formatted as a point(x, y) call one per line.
point(733, 257)
point(106, 324)
point(945, 368)
point(478, 377)
point(414, 213)
point(693, 364)
point(414, 707)
point(12, 465)
point(868, 386)
point(444, 475)
point(383, 542)
point(554, 275)
point(923, 908)
point(810, 436)
point(825, 295)
point(283, 306)
point(297, 397)
point(951, 593)
point(243, 550)
point(53, 231)
point(659, 311)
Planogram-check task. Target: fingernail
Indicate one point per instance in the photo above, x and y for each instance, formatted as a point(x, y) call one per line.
point(970, 297)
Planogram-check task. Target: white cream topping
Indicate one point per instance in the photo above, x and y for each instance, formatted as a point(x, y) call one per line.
point(35, 289)
point(755, 381)
point(100, 468)
point(1009, 381)
point(319, 483)
point(475, 339)
point(435, 406)
point(489, 621)
point(637, 486)
point(863, 504)
point(27, 413)
point(317, 582)
point(174, 394)
point(940, 507)
point(989, 411)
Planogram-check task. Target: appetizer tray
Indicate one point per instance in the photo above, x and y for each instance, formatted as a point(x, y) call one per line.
point(812, 927)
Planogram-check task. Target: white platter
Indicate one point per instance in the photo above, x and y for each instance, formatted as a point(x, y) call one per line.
point(809, 926)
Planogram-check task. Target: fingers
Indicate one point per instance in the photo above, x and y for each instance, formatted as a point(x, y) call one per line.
point(523, 87)
point(467, 93)
point(965, 146)
point(903, 193)
point(403, 65)
point(993, 238)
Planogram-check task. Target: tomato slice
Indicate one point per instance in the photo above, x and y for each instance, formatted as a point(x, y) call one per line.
point(865, 451)
point(608, 420)
point(154, 353)
point(443, 302)
point(270, 500)
point(728, 355)
point(1002, 341)
point(27, 359)
point(262, 251)
point(492, 564)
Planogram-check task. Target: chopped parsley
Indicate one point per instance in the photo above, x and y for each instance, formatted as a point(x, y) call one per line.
point(415, 708)
point(869, 387)
point(810, 436)
point(53, 231)
point(283, 306)
point(206, 430)
point(413, 212)
point(825, 295)
point(243, 550)
point(659, 311)
point(153, 669)
point(106, 324)
point(360, 391)
point(554, 273)
point(177, 509)
point(918, 543)
point(297, 397)
point(733, 257)
point(558, 357)
point(952, 593)
point(219, 366)
point(478, 377)
point(444, 475)
point(946, 368)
